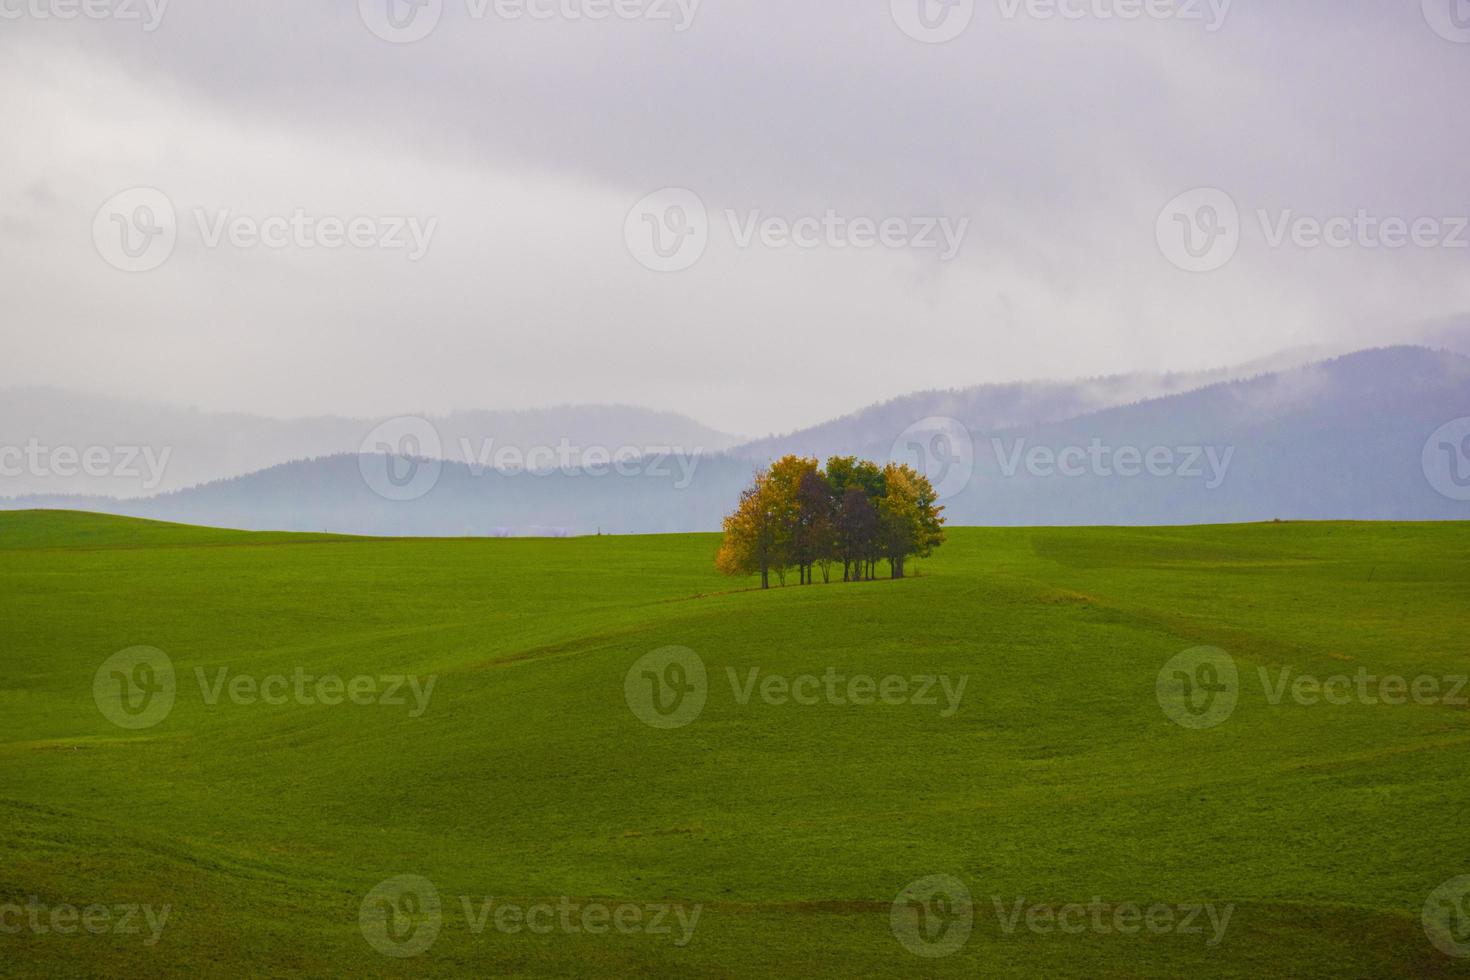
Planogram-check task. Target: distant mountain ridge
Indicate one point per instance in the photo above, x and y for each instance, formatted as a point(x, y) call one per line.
point(985, 408)
point(202, 447)
point(1343, 438)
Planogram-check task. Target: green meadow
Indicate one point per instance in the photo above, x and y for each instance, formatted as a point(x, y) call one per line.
point(996, 719)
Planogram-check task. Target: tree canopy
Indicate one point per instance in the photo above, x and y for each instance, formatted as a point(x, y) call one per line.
point(798, 516)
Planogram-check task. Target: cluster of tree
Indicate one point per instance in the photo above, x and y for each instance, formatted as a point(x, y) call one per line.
point(797, 515)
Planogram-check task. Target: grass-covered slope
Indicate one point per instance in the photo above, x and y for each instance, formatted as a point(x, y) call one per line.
point(527, 777)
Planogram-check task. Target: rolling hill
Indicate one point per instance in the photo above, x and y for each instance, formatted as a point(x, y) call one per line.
point(259, 832)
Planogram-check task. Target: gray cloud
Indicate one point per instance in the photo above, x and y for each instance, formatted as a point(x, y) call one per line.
point(1060, 140)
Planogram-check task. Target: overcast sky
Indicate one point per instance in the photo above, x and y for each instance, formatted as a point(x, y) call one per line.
point(522, 153)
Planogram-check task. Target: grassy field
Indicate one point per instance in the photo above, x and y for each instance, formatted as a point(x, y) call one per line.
point(1058, 789)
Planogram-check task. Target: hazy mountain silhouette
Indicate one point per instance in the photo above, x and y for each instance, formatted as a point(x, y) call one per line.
point(200, 447)
point(1337, 439)
point(986, 408)
point(332, 494)
point(1342, 439)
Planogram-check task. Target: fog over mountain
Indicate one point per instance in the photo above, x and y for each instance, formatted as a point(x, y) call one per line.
point(151, 448)
point(985, 408)
point(1343, 438)
point(162, 448)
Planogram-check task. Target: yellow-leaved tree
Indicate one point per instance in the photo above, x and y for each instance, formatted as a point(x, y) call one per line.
point(796, 514)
